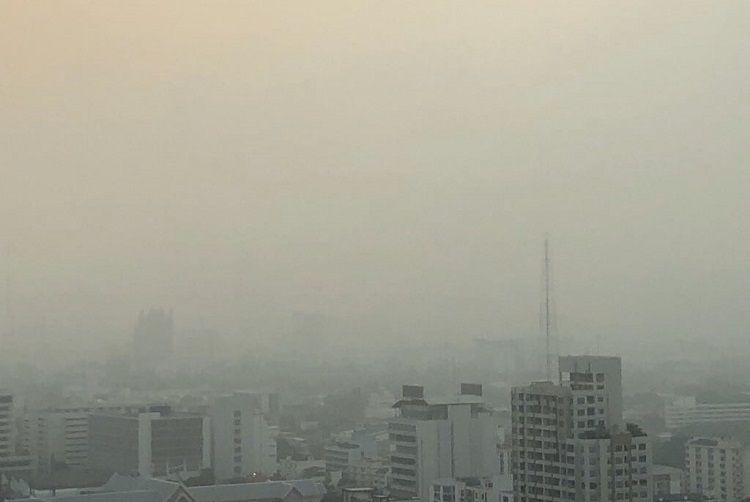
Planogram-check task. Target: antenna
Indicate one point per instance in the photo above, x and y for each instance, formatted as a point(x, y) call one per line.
point(547, 318)
point(8, 297)
point(455, 378)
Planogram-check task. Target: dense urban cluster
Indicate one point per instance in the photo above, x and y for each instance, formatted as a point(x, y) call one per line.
point(519, 436)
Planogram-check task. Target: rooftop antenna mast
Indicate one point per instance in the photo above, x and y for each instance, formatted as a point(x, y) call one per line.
point(9, 321)
point(547, 317)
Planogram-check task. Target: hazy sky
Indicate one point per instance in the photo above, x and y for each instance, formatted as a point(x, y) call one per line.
point(390, 165)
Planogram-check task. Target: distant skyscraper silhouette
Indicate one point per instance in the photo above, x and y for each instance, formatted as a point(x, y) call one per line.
point(153, 340)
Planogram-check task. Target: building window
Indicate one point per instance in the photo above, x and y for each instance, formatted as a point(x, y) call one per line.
point(237, 413)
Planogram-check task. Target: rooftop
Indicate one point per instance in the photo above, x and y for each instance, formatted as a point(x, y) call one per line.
point(714, 442)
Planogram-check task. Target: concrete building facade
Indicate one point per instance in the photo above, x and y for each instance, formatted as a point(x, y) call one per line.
point(569, 440)
point(60, 435)
point(439, 440)
point(686, 413)
point(11, 464)
point(492, 489)
point(716, 467)
point(667, 480)
point(242, 441)
point(156, 443)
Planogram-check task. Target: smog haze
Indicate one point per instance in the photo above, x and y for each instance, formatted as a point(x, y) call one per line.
point(379, 172)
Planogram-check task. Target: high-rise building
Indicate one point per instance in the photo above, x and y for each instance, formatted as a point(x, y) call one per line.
point(569, 442)
point(153, 340)
point(243, 443)
point(450, 439)
point(716, 467)
point(155, 443)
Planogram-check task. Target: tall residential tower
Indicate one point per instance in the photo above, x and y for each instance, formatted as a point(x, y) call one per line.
point(569, 441)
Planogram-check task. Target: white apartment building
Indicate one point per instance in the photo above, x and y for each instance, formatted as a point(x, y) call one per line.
point(611, 466)
point(61, 435)
point(569, 441)
point(439, 440)
point(595, 383)
point(11, 464)
point(242, 442)
point(717, 468)
point(685, 412)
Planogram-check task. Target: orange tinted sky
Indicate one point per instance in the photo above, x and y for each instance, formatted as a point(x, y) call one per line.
point(391, 165)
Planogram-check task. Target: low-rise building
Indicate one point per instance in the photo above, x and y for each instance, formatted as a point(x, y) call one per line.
point(487, 489)
point(355, 457)
point(667, 480)
point(685, 412)
point(157, 443)
point(145, 489)
point(60, 435)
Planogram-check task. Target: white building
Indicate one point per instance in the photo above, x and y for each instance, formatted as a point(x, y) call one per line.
point(685, 412)
point(157, 443)
point(667, 480)
point(595, 383)
point(717, 468)
point(11, 464)
point(611, 466)
point(355, 454)
point(569, 442)
point(243, 442)
point(438, 440)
